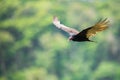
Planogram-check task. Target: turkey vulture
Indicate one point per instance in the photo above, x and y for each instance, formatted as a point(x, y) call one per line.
point(85, 34)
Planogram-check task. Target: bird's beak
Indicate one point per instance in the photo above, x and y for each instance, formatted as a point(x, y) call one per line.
point(70, 38)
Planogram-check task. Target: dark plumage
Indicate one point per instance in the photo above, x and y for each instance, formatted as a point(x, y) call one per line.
point(81, 36)
point(84, 34)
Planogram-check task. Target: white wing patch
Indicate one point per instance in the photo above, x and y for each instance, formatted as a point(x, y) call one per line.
point(69, 30)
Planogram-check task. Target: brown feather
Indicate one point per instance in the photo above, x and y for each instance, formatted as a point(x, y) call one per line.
point(99, 26)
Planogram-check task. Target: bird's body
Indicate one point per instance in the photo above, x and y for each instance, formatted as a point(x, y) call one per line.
point(81, 36)
point(84, 34)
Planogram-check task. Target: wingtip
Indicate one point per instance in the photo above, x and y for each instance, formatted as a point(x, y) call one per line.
point(55, 18)
point(104, 21)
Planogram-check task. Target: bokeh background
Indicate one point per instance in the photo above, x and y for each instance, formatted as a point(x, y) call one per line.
point(32, 48)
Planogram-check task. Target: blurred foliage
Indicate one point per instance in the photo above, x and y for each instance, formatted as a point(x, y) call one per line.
point(31, 48)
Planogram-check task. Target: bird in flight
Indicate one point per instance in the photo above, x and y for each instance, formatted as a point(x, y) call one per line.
point(85, 34)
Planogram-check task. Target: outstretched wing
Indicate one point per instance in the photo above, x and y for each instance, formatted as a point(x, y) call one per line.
point(99, 26)
point(57, 23)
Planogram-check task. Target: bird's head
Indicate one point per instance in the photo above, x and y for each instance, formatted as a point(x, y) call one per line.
point(71, 38)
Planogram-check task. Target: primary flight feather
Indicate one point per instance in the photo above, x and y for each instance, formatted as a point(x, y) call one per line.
point(85, 34)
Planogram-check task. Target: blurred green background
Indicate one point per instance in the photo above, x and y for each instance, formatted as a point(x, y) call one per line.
point(32, 48)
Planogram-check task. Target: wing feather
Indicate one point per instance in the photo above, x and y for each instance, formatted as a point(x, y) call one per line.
point(99, 26)
point(69, 30)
